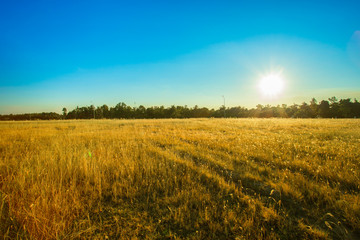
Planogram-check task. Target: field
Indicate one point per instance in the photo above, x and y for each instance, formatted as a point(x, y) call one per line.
point(180, 179)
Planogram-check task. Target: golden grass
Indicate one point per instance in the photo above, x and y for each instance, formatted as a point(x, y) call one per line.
point(180, 179)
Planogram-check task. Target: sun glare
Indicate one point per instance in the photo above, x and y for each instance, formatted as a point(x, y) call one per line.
point(271, 85)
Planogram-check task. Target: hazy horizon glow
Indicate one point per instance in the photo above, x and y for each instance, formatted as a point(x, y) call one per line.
point(61, 54)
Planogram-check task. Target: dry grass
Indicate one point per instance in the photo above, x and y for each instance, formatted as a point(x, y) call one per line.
point(180, 179)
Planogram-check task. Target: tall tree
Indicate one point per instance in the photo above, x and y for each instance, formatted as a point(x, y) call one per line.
point(314, 107)
point(334, 107)
point(324, 109)
point(64, 112)
point(345, 108)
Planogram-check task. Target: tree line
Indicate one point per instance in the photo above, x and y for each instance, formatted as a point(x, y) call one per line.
point(331, 108)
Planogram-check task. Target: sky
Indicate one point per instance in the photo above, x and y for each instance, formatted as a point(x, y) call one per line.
point(56, 54)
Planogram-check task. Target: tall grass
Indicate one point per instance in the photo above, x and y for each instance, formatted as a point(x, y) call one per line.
point(180, 179)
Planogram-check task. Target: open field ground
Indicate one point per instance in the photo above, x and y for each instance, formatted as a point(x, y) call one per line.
point(180, 179)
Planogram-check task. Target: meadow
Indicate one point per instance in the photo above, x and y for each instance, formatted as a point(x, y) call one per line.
point(180, 179)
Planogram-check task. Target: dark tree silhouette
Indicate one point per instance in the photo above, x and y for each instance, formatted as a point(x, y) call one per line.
point(324, 109)
point(331, 108)
point(64, 112)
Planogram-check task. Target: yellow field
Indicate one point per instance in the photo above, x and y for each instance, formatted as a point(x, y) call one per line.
point(180, 179)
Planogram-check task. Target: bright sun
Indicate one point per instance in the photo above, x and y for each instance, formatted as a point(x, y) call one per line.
point(271, 85)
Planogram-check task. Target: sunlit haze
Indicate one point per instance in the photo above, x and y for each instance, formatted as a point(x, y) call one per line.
point(56, 54)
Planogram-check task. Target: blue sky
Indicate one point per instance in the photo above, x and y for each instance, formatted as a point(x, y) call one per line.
point(56, 54)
